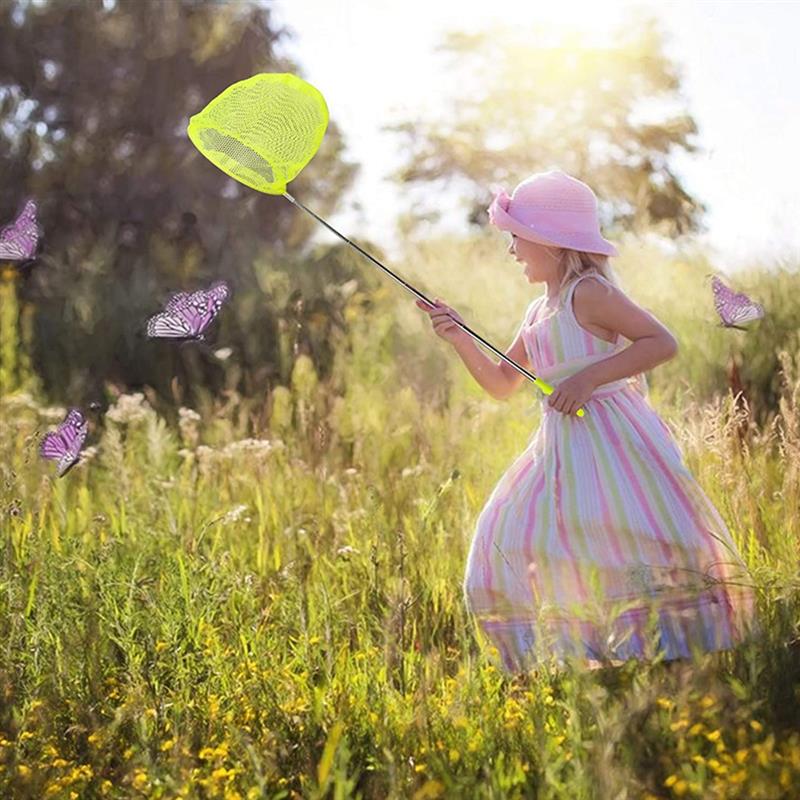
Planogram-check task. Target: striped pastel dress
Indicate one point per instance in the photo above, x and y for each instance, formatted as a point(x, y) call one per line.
point(598, 543)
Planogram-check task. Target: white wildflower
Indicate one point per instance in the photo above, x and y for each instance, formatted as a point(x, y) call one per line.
point(207, 458)
point(87, 455)
point(129, 408)
point(187, 423)
point(234, 514)
point(347, 551)
point(53, 414)
point(259, 450)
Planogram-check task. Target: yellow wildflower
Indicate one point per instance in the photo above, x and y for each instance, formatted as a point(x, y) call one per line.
point(220, 773)
point(167, 745)
point(713, 736)
point(140, 779)
point(670, 781)
point(695, 729)
point(680, 787)
point(738, 777)
point(756, 725)
point(741, 756)
point(665, 703)
point(24, 772)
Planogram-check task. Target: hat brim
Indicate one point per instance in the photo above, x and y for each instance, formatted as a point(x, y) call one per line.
point(502, 220)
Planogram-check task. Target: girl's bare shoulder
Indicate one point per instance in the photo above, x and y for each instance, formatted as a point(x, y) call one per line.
point(600, 303)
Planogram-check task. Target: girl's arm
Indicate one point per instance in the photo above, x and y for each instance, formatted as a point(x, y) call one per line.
point(486, 371)
point(600, 304)
point(499, 379)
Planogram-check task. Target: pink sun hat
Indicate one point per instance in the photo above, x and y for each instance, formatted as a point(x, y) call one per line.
point(552, 208)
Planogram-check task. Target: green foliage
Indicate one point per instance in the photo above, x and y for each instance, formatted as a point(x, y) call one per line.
point(9, 338)
point(521, 99)
point(96, 98)
point(197, 610)
point(16, 372)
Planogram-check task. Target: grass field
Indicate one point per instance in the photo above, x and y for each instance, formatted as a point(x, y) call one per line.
point(206, 609)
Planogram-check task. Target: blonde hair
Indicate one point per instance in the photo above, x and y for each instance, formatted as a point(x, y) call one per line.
point(579, 262)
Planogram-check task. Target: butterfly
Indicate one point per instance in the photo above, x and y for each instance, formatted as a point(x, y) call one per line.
point(19, 240)
point(734, 307)
point(64, 444)
point(187, 315)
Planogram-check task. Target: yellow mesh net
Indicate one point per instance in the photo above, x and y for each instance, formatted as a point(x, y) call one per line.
point(263, 130)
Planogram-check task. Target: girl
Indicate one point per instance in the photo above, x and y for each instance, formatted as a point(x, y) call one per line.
point(597, 543)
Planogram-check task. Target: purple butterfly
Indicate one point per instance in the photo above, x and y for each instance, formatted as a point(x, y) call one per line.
point(186, 315)
point(64, 444)
point(734, 307)
point(19, 240)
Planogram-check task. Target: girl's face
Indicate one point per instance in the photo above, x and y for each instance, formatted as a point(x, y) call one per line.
point(540, 262)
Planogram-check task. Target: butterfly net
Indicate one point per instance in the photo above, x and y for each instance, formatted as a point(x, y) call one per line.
point(262, 131)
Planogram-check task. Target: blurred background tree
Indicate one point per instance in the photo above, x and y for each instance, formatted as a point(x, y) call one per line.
point(95, 98)
point(530, 99)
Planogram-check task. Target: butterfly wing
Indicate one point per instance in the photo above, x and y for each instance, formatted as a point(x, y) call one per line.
point(204, 305)
point(64, 444)
point(187, 315)
point(168, 325)
point(20, 240)
point(749, 312)
point(176, 301)
point(734, 307)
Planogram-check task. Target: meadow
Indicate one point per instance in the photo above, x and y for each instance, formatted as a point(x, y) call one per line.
point(261, 597)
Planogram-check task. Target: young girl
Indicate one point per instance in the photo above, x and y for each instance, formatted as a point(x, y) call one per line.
point(597, 543)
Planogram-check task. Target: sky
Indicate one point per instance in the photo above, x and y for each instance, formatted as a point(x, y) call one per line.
point(739, 62)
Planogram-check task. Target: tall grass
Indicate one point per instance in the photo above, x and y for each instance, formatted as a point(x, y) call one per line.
point(264, 599)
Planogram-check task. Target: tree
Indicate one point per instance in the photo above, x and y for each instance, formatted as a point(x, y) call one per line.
point(95, 98)
point(531, 100)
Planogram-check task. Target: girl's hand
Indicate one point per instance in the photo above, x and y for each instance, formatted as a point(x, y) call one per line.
point(572, 393)
point(442, 317)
